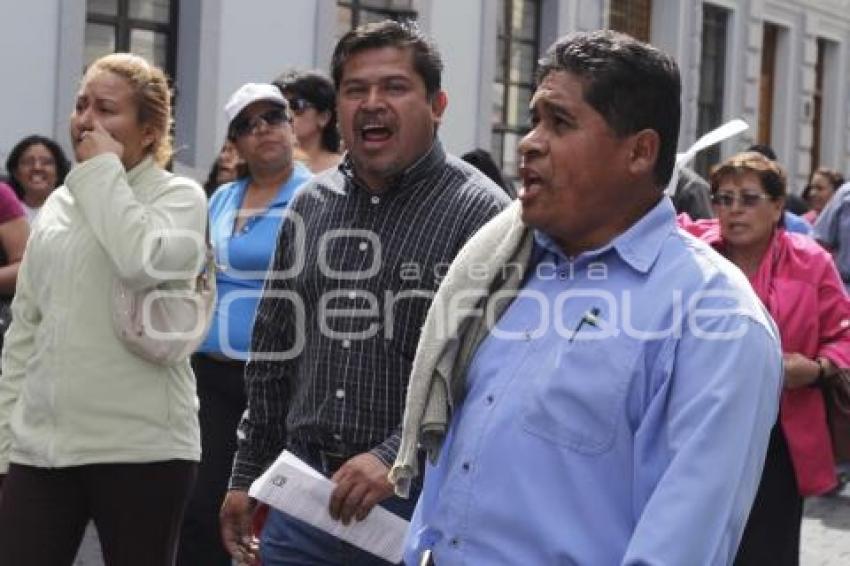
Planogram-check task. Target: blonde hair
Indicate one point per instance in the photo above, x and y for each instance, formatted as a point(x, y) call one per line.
point(153, 97)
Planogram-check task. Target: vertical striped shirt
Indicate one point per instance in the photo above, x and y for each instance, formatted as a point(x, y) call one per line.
point(344, 302)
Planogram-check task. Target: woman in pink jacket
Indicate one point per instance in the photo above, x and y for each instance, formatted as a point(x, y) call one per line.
point(800, 286)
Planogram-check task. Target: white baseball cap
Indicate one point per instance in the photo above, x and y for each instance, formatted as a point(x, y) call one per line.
point(250, 93)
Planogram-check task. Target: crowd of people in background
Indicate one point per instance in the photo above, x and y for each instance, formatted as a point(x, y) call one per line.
point(358, 150)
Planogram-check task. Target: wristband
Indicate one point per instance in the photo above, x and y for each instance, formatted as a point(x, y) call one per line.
point(821, 371)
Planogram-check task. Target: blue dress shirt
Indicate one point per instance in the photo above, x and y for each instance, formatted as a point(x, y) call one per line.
point(832, 228)
point(619, 413)
point(795, 223)
point(243, 260)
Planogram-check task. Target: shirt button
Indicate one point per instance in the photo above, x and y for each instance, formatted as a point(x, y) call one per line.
point(346, 343)
point(338, 437)
point(527, 335)
point(340, 394)
point(375, 199)
point(352, 295)
point(454, 543)
point(845, 323)
point(562, 275)
point(466, 466)
point(490, 399)
point(363, 246)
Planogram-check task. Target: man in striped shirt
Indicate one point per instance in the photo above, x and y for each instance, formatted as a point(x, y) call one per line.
point(357, 263)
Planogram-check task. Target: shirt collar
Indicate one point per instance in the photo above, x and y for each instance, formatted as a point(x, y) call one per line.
point(299, 175)
point(285, 192)
point(638, 247)
point(420, 169)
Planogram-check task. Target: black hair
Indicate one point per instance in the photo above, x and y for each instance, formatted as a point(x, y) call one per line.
point(318, 90)
point(388, 33)
point(483, 161)
point(763, 149)
point(632, 85)
point(795, 204)
point(12, 162)
point(211, 184)
point(835, 178)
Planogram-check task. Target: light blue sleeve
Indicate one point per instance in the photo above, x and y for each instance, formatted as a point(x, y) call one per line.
point(711, 422)
point(794, 223)
point(826, 228)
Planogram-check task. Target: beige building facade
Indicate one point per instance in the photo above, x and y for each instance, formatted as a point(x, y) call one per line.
point(781, 65)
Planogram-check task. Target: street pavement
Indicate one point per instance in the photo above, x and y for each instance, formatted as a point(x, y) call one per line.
point(826, 530)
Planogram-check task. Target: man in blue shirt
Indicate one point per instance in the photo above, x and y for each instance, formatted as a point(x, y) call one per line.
point(619, 409)
point(832, 229)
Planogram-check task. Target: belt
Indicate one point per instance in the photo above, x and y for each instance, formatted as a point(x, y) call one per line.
point(325, 459)
point(215, 357)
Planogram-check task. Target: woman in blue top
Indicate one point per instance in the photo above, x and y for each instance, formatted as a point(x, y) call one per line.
point(245, 216)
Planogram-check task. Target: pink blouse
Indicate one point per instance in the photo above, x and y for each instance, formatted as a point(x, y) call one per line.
point(799, 284)
point(10, 206)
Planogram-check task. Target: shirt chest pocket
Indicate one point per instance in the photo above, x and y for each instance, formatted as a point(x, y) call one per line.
point(577, 400)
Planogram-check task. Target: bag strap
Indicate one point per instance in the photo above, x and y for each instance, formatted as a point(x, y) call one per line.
point(206, 278)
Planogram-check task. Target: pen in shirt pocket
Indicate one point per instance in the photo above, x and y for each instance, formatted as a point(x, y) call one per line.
point(590, 318)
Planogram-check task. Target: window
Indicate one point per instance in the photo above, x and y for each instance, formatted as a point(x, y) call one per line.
point(353, 13)
point(817, 100)
point(144, 27)
point(711, 81)
point(766, 82)
point(632, 17)
point(518, 39)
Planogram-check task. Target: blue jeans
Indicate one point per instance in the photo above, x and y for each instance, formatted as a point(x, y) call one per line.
point(286, 541)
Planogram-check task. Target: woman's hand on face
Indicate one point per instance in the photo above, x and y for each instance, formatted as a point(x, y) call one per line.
point(800, 371)
point(96, 142)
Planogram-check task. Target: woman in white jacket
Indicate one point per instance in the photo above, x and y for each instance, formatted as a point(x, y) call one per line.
point(89, 430)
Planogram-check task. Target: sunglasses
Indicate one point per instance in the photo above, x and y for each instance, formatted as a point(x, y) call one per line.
point(271, 119)
point(747, 199)
point(300, 105)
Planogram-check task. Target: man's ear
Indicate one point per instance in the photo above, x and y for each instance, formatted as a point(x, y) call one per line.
point(438, 105)
point(644, 152)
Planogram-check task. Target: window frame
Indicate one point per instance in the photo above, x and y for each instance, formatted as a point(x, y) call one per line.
point(124, 25)
point(769, 53)
point(501, 128)
point(711, 155)
point(356, 7)
point(817, 104)
point(628, 7)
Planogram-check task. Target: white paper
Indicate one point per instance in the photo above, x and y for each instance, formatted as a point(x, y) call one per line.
point(293, 487)
point(717, 135)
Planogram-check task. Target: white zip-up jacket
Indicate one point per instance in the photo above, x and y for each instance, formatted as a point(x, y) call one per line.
point(70, 392)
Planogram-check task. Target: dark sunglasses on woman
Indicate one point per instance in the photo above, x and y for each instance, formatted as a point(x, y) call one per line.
point(300, 105)
point(747, 200)
point(271, 118)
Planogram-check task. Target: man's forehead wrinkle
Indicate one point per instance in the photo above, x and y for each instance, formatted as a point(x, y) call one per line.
point(542, 97)
point(550, 102)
